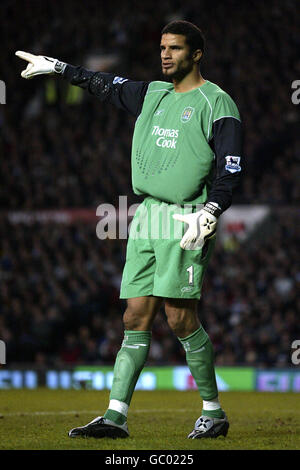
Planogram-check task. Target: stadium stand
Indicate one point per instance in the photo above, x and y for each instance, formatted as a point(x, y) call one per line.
point(63, 149)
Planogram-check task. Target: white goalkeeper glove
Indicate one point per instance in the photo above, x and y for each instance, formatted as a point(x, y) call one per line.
point(202, 226)
point(40, 64)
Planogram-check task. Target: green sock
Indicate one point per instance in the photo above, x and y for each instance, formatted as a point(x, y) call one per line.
point(219, 413)
point(129, 363)
point(200, 359)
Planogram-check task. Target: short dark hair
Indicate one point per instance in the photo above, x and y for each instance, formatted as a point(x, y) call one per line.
point(193, 34)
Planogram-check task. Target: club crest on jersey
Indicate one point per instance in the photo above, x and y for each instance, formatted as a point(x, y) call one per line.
point(187, 114)
point(232, 164)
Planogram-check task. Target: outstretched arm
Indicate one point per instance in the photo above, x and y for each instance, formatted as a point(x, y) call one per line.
point(124, 93)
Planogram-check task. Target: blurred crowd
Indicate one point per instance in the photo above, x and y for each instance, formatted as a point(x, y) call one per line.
point(60, 297)
point(62, 148)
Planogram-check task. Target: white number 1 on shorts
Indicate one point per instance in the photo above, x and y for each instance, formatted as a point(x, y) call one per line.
point(190, 270)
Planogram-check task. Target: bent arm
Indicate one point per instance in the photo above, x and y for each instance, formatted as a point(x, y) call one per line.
point(227, 147)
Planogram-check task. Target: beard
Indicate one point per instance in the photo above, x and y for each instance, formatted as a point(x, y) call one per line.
point(181, 71)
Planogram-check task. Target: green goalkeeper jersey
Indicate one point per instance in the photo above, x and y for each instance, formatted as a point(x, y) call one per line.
point(172, 159)
point(186, 146)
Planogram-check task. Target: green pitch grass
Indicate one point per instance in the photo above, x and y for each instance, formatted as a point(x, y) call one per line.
point(158, 420)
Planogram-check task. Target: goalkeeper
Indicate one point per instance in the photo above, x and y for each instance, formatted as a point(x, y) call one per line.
point(186, 154)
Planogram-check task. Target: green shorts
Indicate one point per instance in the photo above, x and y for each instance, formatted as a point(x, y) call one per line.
point(155, 263)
